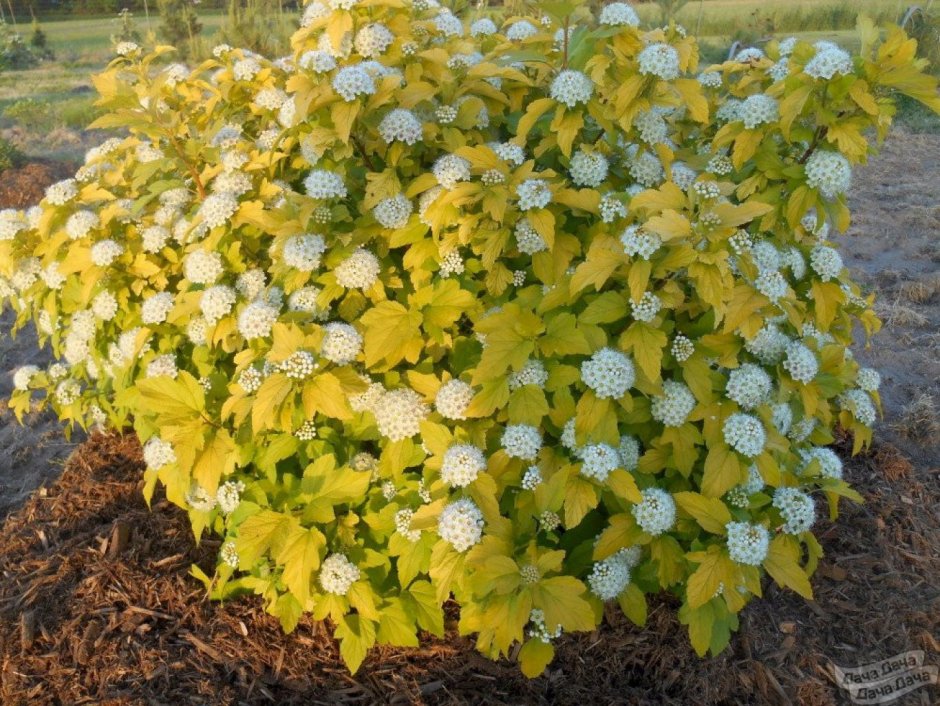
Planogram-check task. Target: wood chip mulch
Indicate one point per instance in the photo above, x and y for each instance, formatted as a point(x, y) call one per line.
point(22, 187)
point(97, 607)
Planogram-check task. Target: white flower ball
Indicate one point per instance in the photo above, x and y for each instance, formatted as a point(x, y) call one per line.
point(588, 168)
point(619, 14)
point(660, 60)
point(203, 267)
point(461, 524)
point(522, 441)
point(399, 413)
point(156, 308)
point(796, 508)
point(598, 460)
point(747, 543)
point(749, 386)
point(609, 373)
point(394, 211)
point(609, 578)
point(304, 252)
point(830, 172)
point(462, 464)
point(571, 88)
point(358, 271)
point(256, 320)
point(745, 434)
point(674, 406)
point(341, 344)
point(656, 512)
point(338, 574)
point(453, 398)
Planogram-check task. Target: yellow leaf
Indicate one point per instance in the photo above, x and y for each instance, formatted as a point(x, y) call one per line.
point(390, 327)
point(535, 656)
point(782, 563)
point(710, 513)
point(216, 459)
point(723, 471)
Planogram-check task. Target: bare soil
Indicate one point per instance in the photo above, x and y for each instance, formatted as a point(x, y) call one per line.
point(97, 606)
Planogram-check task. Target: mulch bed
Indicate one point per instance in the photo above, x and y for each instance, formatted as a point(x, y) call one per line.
point(97, 607)
point(22, 187)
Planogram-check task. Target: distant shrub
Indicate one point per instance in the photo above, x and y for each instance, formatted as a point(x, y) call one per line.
point(180, 25)
point(10, 156)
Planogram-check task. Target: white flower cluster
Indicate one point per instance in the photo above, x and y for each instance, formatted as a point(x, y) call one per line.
point(527, 238)
point(201, 267)
point(229, 554)
point(829, 61)
point(598, 460)
point(826, 262)
point(229, 495)
point(637, 241)
point(660, 60)
point(401, 125)
point(81, 223)
point(450, 170)
point(860, 405)
point(399, 413)
point(403, 520)
point(674, 406)
point(522, 441)
point(323, 184)
point(647, 308)
point(629, 450)
point(461, 524)
point(394, 211)
point(830, 465)
point(338, 574)
point(341, 343)
point(571, 87)
point(800, 362)
point(299, 365)
point(796, 508)
point(217, 302)
point(829, 172)
point(682, 348)
point(358, 271)
point(539, 630)
point(521, 29)
point(747, 543)
point(609, 578)
point(257, 319)
point(745, 434)
point(156, 308)
point(304, 252)
point(461, 465)
point(759, 109)
point(740, 495)
point(749, 385)
point(619, 14)
point(868, 379)
point(656, 512)
point(609, 373)
point(532, 373)
point(353, 81)
point(158, 453)
point(531, 478)
point(162, 366)
point(588, 168)
point(533, 194)
point(23, 376)
point(217, 209)
point(453, 398)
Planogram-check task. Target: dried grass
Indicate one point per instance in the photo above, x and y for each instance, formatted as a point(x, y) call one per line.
point(920, 420)
point(897, 314)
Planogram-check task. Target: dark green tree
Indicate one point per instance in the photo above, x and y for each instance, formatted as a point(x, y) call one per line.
point(180, 25)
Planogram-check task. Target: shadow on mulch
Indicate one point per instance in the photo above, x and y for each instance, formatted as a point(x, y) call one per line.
point(96, 607)
point(22, 187)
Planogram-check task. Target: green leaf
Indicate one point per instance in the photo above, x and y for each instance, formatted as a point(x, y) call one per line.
point(300, 557)
point(356, 636)
point(562, 337)
point(527, 405)
point(259, 533)
point(423, 600)
point(288, 610)
point(396, 627)
point(633, 604)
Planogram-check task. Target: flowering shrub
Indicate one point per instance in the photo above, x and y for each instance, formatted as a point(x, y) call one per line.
point(534, 314)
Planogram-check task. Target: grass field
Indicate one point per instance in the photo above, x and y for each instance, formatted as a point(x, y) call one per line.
point(82, 46)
